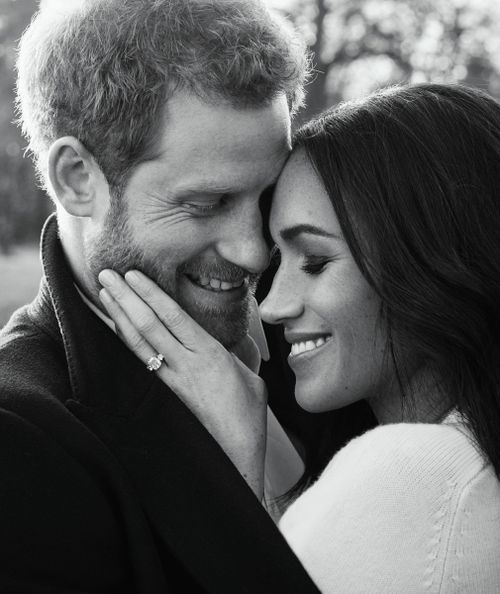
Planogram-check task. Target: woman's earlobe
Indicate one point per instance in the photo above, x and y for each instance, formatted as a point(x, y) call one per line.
point(72, 176)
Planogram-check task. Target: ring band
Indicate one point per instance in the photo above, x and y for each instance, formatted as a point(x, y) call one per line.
point(154, 363)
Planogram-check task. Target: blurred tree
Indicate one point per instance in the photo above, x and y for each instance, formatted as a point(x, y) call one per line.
point(23, 206)
point(361, 45)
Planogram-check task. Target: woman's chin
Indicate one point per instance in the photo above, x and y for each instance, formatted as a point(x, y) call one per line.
point(320, 402)
point(313, 403)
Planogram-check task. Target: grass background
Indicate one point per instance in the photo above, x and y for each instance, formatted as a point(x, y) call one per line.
point(20, 274)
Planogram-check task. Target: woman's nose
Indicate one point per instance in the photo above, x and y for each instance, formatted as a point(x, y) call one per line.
point(283, 302)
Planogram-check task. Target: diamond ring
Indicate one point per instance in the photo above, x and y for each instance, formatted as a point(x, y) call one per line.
point(154, 363)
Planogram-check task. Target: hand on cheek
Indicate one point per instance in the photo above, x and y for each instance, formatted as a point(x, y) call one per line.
point(226, 396)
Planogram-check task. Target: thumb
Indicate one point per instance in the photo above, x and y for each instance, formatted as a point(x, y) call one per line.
point(248, 353)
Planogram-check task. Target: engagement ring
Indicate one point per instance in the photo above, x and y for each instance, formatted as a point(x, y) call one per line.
point(154, 363)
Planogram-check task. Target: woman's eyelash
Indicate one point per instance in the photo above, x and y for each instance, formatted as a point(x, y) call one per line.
point(275, 257)
point(314, 264)
point(311, 265)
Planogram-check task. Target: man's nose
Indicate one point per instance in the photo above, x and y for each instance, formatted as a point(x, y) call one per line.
point(243, 243)
point(283, 302)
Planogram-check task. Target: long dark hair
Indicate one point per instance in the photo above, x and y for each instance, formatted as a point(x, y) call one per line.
point(413, 173)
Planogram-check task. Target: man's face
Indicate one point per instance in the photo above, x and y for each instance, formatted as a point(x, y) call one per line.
point(190, 217)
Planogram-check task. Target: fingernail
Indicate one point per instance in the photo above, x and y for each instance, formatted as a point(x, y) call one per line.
point(107, 277)
point(133, 277)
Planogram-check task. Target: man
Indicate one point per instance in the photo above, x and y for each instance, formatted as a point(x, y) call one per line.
point(156, 127)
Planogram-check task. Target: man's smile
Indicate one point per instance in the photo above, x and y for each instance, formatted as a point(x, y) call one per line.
point(211, 288)
point(212, 283)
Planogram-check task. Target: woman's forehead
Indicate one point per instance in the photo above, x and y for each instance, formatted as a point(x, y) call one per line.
point(300, 198)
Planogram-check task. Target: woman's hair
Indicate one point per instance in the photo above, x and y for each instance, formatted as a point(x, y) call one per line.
point(413, 173)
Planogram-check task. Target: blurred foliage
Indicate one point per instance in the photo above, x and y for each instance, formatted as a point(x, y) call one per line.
point(23, 207)
point(358, 46)
point(361, 45)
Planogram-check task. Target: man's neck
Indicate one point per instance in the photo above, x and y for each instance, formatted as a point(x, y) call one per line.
point(107, 320)
point(71, 234)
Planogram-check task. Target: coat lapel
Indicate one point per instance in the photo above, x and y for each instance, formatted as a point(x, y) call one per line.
point(198, 505)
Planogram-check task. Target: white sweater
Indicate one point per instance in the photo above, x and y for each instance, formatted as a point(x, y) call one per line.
point(403, 509)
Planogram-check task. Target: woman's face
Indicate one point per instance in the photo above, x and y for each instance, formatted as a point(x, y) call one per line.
point(329, 312)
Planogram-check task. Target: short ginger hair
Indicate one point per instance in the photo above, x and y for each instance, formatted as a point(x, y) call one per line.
point(103, 71)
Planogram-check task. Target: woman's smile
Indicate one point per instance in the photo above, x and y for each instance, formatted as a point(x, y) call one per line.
point(330, 313)
point(307, 345)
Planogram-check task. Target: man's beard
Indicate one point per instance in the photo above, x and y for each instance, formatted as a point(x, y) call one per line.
point(116, 249)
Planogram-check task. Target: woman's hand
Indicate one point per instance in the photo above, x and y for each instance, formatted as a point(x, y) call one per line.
point(226, 396)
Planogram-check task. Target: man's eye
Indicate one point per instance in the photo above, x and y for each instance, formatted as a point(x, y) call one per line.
point(207, 207)
point(203, 208)
point(314, 264)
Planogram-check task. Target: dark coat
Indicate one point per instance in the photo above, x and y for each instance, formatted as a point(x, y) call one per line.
point(107, 482)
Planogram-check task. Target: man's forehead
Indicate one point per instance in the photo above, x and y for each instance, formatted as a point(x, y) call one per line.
point(215, 177)
point(190, 124)
point(221, 151)
point(242, 149)
point(227, 182)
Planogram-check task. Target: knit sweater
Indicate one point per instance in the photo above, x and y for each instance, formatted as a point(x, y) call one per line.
point(403, 509)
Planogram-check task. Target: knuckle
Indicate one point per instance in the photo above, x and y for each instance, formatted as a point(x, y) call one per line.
point(147, 293)
point(146, 323)
point(119, 293)
point(136, 343)
point(174, 318)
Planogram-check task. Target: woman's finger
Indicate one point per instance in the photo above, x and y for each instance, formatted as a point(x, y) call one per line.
point(127, 331)
point(178, 322)
point(248, 353)
point(142, 318)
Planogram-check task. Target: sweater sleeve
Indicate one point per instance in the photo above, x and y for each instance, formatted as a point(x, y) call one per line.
point(387, 515)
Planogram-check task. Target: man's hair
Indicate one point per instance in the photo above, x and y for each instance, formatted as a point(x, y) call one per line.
point(103, 71)
point(413, 175)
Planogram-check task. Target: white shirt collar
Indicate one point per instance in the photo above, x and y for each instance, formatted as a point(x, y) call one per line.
point(108, 321)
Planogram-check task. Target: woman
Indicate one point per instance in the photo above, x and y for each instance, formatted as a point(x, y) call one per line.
point(387, 217)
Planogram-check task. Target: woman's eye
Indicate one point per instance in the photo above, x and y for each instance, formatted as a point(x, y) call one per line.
point(314, 264)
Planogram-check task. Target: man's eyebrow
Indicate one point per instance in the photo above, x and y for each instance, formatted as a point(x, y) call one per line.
point(211, 188)
point(204, 189)
point(291, 233)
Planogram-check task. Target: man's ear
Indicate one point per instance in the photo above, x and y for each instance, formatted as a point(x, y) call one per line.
point(75, 177)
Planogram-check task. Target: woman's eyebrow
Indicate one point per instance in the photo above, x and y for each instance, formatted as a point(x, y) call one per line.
point(291, 233)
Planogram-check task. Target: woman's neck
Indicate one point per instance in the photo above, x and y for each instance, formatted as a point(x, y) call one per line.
point(423, 401)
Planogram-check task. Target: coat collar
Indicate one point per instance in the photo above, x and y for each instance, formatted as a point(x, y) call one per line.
point(101, 368)
point(198, 505)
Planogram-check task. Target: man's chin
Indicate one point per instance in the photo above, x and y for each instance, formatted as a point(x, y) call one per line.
point(227, 337)
point(228, 327)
